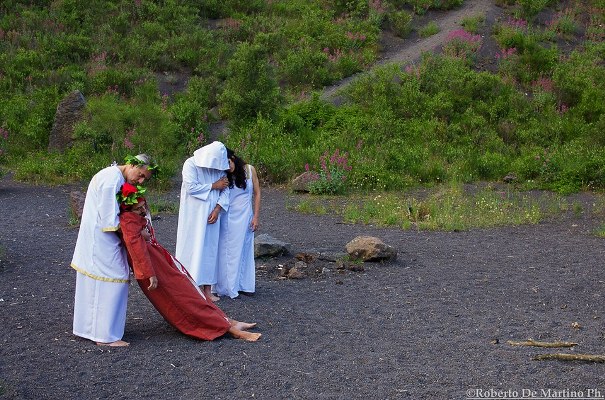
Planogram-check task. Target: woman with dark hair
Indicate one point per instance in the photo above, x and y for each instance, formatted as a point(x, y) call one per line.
point(166, 282)
point(237, 270)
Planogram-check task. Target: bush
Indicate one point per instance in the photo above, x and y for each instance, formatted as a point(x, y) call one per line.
point(462, 44)
point(251, 88)
point(429, 29)
point(400, 23)
point(332, 176)
point(531, 8)
point(473, 23)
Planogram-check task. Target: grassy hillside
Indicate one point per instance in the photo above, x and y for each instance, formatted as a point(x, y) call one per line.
point(157, 74)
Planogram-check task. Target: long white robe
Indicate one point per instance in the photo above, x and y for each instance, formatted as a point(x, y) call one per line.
point(100, 260)
point(237, 270)
point(196, 240)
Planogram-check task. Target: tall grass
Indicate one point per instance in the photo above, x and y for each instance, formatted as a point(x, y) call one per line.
point(449, 207)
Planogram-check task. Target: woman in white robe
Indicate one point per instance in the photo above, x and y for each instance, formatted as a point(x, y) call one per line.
point(100, 259)
point(204, 198)
point(237, 269)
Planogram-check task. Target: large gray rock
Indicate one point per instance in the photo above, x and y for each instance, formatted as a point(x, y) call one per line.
point(69, 111)
point(369, 248)
point(268, 246)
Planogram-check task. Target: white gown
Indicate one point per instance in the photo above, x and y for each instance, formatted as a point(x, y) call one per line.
point(100, 260)
point(196, 240)
point(237, 270)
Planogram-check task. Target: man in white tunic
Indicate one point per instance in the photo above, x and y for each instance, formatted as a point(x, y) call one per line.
point(204, 197)
point(99, 258)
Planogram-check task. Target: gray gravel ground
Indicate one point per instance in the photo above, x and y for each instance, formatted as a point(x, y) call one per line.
point(432, 325)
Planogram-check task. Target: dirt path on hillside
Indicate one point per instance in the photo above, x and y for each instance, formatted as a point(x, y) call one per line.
point(405, 51)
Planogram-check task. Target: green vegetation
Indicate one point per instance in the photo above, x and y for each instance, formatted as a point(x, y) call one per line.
point(473, 23)
point(260, 65)
point(448, 207)
point(400, 22)
point(429, 29)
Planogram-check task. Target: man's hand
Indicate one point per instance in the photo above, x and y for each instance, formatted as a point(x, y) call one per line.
point(213, 217)
point(221, 183)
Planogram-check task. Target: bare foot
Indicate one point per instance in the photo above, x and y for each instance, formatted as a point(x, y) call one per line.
point(242, 326)
point(247, 336)
point(209, 295)
point(117, 343)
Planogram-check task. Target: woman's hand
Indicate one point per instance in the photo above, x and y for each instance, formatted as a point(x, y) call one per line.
point(153, 283)
point(254, 223)
point(221, 183)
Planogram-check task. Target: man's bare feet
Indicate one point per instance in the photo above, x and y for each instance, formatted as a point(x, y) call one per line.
point(247, 336)
point(117, 343)
point(242, 326)
point(209, 295)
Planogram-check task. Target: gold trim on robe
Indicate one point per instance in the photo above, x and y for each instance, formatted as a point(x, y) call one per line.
point(99, 278)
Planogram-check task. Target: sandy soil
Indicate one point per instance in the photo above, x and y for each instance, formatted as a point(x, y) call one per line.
point(432, 325)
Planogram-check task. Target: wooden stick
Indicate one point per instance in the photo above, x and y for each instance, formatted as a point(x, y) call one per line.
point(531, 342)
point(571, 357)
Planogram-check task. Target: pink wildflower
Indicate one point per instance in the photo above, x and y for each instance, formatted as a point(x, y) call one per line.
point(231, 23)
point(546, 84)
point(377, 6)
point(505, 53)
point(464, 36)
point(128, 144)
point(563, 108)
point(517, 23)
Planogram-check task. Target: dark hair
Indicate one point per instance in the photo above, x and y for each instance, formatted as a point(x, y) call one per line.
point(238, 176)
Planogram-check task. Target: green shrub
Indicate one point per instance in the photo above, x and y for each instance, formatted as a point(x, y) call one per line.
point(472, 24)
point(564, 24)
point(579, 82)
point(332, 174)
point(29, 118)
point(400, 23)
point(429, 29)
point(251, 88)
point(511, 34)
point(306, 66)
point(531, 8)
point(462, 44)
point(119, 80)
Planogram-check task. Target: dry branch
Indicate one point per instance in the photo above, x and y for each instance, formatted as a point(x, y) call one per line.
point(531, 342)
point(571, 357)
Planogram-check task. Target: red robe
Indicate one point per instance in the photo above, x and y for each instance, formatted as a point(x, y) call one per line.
point(177, 298)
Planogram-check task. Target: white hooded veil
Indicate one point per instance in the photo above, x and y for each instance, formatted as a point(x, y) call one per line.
point(213, 155)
